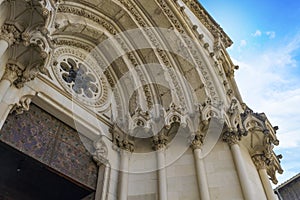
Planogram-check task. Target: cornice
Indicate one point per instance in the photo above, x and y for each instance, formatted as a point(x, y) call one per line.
point(207, 20)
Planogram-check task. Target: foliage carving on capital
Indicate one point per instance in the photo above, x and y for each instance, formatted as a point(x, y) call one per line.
point(10, 33)
point(197, 141)
point(231, 137)
point(159, 141)
point(259, 161)
point(12, 72)
point(121, 140)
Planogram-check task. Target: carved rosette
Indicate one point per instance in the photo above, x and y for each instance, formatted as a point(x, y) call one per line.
point(231, 137)
point(159, 141)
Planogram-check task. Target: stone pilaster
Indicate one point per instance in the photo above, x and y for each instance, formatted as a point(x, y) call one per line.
point(261, 165)
point(196, 145)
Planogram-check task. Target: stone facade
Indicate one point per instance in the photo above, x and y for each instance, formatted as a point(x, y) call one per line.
point(140, 96)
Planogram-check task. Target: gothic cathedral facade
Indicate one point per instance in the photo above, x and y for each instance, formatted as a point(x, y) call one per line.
point(125, 100)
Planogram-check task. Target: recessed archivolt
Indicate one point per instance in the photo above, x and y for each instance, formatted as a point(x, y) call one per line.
point(151, 93)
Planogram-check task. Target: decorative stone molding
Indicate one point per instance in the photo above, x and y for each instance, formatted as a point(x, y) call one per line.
point(174, 114)
point(159, 141)
point(197, 141)
point(121, 140)
point(274, 167)
point(259, 161)
point(27, 75)
point(231, 137)
point(10, 33)
point(22, 105)
point(101, 152)
point(235, 121)
point(208, 21)
point(140, 118)
point(12, 72)
point(81, 76)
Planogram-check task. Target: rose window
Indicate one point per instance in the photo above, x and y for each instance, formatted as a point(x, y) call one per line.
point(79, 78)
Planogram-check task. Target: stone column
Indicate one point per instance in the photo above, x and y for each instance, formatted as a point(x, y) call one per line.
point(159, 145)
point(200, 168)
point(9, 35)
point(4, 111)
point(232, 139)
point(12, 72)
point(125, 151)
point(100, 156)
point(259, 161)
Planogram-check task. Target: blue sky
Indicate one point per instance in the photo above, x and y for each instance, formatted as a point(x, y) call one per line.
point(266, 36)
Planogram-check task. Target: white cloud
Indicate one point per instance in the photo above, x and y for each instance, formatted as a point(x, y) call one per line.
point(268, 85)
point(257, 33)
point(271, 34)
point(243, 43)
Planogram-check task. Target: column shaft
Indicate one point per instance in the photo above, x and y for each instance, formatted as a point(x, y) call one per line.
point(162, 175)
point(201, 175)
point(242, 173)
point(266, 184)
point(3, 44)
point(4, 111)
point(123, 176)
point(4, 85)
point(102, 182)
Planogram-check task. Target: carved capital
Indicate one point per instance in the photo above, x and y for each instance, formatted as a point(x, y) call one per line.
point(231, 137)
point(159, 141)
point(121, 140)
point(27, 75)
point(259, 161)
point(127, 145)
point(197, 141)
point(12, 72)
point(10, 33)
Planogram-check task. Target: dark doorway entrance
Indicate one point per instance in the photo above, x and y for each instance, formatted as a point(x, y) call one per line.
point(24, 178)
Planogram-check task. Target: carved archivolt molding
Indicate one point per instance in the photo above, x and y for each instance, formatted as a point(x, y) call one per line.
point(208, 21)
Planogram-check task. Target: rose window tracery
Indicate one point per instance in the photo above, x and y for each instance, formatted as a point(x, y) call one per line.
point(77, 76)
point(81, 76)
